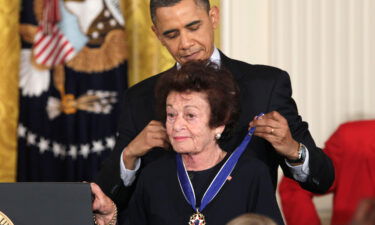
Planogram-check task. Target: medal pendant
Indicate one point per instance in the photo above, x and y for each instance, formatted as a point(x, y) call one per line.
point(197, 219)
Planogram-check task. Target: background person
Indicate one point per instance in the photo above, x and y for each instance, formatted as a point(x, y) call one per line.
point(251, 219)
point(352, 150)
point(365, 213)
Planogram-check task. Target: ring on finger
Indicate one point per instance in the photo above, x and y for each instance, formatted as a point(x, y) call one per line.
point(272, 130)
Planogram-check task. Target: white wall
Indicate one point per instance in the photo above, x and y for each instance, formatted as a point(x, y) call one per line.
point(245, 30)
point(328, 48)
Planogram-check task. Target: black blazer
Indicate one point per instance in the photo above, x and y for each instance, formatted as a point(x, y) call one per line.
point(262, 89)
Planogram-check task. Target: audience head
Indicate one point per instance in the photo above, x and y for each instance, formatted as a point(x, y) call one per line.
point(251, 219)
point(365, 213)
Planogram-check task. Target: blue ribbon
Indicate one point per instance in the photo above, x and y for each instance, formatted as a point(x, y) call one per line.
point(220, 178)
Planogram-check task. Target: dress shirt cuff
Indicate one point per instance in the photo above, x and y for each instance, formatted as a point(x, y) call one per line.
point(128, 176)
point(300, 172)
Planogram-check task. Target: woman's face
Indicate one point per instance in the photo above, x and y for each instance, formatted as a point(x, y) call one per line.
point(188, 115)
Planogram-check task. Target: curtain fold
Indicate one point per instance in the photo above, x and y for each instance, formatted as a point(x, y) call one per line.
point(9, 67)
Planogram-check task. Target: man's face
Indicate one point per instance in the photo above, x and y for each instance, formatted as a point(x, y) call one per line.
point(187, 30)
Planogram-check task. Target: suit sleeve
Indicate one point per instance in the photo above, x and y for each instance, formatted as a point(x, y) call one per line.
point(137, 213)
point(321, 174)
point(109, 175)
point(297, 204)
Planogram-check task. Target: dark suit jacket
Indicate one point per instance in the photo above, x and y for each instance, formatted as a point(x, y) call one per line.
point(262, 89)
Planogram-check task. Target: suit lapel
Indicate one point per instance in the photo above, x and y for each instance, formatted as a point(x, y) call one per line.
point(232, 65)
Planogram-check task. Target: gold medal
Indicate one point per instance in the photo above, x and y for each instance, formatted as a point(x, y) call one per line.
point(197, 219)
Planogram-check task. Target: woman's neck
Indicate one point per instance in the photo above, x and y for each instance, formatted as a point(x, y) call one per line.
point(203, 160)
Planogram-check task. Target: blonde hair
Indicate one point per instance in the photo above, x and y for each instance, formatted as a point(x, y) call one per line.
point(251, 219)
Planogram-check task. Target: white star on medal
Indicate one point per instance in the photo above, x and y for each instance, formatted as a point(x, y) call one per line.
point(197, 219)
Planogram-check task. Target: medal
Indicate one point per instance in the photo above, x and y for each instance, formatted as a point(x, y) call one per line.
point(197, 219)
point(217, 183)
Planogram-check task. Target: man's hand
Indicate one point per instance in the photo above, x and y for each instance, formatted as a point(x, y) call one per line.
point(153, 135)
point(275, 129)
point(102, 206)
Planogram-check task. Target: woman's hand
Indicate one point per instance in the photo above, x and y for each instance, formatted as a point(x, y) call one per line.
point(105, 210)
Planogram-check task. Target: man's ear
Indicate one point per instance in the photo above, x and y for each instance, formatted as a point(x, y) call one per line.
point(214, 15)
point(156, 32)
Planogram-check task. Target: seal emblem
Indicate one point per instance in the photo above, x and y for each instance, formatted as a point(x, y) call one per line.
point(4, 220)
point(197, 219)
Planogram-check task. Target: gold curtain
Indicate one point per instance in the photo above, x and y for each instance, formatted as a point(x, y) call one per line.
point(9, 70)
point(146, 55)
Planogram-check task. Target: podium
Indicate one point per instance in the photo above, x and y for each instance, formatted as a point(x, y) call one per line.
point(45, 203)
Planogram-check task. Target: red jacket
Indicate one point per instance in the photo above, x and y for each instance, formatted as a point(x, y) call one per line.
point(352, 150)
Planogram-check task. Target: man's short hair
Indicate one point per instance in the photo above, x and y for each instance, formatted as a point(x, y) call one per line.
point(155, 4)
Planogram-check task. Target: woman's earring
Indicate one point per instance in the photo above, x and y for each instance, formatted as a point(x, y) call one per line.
point(218, 136)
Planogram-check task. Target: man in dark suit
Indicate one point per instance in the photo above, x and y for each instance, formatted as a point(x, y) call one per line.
point(186, 29)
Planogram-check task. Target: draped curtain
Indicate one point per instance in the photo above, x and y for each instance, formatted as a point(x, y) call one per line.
point(9, 63)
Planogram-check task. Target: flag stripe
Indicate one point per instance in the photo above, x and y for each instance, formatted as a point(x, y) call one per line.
point(41, 35)
point(69, 52)
point(45, 51)
point(60, 52)
point(51, 49)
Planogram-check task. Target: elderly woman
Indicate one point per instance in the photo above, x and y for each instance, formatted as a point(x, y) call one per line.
point(198, 182)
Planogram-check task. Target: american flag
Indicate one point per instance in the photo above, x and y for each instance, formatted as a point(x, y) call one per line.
point(53, 48)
